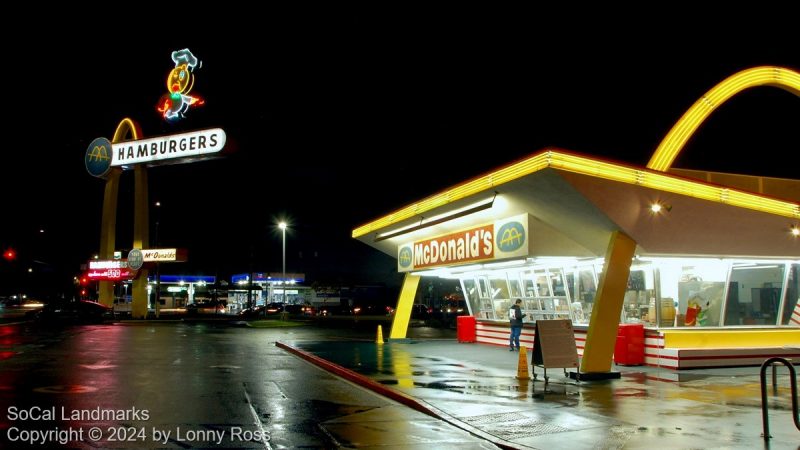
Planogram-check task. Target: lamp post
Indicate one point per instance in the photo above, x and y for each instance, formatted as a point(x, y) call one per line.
point(282, 226)
point(157, 301)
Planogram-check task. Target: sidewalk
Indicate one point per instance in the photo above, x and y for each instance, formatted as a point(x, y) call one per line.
point(474, 387)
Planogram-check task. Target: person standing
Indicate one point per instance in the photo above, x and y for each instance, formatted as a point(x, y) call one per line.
point(515, 316)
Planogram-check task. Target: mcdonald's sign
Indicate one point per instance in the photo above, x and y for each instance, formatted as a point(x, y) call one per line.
point(505, 238)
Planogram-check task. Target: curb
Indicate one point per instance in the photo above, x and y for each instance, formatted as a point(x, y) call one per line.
point(397, 396)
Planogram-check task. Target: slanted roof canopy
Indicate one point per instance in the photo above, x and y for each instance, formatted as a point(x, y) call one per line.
point(577, 201)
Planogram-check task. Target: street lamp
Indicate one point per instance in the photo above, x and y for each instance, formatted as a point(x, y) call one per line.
point(157, 302)
point(282, 226)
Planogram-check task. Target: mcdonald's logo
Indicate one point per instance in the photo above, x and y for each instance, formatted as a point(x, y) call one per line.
point(510, 237)
point(98, 157)
point(405, 256)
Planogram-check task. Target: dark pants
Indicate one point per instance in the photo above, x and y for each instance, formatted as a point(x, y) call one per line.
point(513, 340)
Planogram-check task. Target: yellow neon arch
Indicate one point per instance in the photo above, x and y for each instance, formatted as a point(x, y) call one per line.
point(126, 130)
point(127, 125)
point(680, 133)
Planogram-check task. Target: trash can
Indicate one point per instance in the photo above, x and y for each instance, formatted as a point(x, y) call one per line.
point(465, 328)
point(629, 348)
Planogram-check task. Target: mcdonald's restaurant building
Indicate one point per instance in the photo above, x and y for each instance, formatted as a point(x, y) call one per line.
point(708, 263)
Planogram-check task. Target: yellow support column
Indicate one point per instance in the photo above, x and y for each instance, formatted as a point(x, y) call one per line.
point(108, 234)
point(108, 225)
point(602, 333)
point(402, 314)
point(141, 239)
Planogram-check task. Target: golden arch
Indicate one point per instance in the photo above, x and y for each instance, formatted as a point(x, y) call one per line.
point(126, 130)
point(680, 133)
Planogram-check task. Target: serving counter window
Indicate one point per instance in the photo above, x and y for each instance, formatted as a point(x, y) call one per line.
point(514, 285)
point(501, 302)
point(543, 291)
point(550, 299)
point(484, 299)
point(641, 304)
point(582, 287)
point(661, 292)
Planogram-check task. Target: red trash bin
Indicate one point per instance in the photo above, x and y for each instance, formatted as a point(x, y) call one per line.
point(629, 348)
point(465, 328)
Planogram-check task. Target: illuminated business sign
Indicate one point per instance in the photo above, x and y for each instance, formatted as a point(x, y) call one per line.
point(506, 238)
point(110, 270)
point(108, 264)
point(98, 157)
point(162, 149)
point(110, 274)
point(135, 259)
point(163, 255)
point(180, 82)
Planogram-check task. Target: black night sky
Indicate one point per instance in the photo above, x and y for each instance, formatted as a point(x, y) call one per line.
point(337, 120)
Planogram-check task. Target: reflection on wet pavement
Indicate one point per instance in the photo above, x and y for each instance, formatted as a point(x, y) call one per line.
point(477, 385)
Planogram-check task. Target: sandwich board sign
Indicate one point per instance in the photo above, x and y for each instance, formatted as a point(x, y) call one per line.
point(554, 344)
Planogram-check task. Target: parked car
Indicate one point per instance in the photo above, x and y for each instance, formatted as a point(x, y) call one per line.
point(450, 310)
point(252, 313)
point(334, 310)
point(82, 311)
point(275, 308)
point(372, 309)
point(207, 307)
point(303, 309)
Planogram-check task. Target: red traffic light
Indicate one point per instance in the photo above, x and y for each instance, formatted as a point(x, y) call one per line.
point(10, 254)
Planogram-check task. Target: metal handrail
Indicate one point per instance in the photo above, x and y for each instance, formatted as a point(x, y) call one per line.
point(793, 385)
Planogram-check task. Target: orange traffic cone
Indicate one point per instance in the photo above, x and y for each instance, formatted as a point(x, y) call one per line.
point(379, 339)
point(522, 366)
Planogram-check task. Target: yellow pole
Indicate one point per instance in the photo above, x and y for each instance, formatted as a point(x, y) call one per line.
point(126, 130)
point(141, 239)
point(108, 226)
point(602, 333)
point(402, 314)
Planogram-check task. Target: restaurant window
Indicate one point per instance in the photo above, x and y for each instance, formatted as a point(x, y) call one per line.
point(581, 284)
point(501, 302)
point(640, 303)
point(484, 299)
point(514, 285)
point(470, 290)
point(754, 294)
